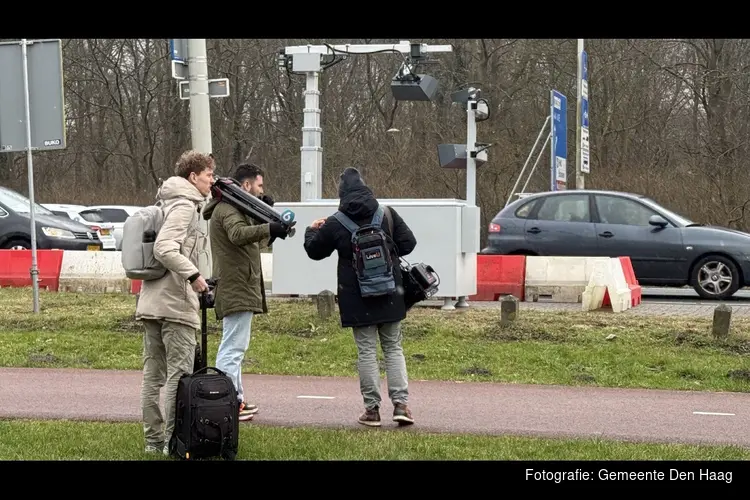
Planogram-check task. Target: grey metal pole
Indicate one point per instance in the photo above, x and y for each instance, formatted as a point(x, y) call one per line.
point(579, 174)
point(30, 164)
point(533, 148)
point(471, 167)
point(471, 141)
point(531, 174)
point(311, 184)
point(200, 121)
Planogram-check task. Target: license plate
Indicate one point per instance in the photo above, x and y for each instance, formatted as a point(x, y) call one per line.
point(93, 248)
point(105, 231)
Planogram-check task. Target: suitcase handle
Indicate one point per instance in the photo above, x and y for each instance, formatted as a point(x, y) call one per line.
point(206, 368)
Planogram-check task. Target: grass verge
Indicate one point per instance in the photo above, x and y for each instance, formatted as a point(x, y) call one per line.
point(65, 440)
point(555, 347)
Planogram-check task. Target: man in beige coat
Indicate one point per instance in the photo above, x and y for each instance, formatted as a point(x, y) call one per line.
point(169, 306)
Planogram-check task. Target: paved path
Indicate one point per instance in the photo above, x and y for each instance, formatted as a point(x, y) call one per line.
point(483, 408)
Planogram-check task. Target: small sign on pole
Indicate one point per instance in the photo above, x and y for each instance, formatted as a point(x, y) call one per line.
point(217, 87)
point(585, 165)
point(179, 70)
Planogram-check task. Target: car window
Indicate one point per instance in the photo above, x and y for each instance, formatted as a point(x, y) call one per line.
point(19, 203)
point(93, 216)
point(60, 213)
point(566, 208)
point(109, 214)
point(524, 211)
point(617, 210)
point(681, 219)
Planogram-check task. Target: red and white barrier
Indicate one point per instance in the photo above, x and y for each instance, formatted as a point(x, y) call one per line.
point(591, 281)
point(65, 271)
point(78, 271)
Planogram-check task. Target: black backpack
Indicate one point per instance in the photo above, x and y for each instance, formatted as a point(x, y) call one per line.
point(207, 411)
point(371, 259)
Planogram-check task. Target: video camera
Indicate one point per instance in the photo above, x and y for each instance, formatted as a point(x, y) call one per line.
point(420, 282)
point(207, 298)
point(229, 190)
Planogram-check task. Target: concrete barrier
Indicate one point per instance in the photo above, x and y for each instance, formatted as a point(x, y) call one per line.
point(83, 271)
point(562, 279)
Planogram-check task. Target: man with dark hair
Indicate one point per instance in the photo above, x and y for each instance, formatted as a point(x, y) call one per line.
point(169, 307)
point(371, 318)
point(239, 292)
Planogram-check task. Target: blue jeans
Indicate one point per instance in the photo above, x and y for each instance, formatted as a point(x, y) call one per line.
point(234, 342)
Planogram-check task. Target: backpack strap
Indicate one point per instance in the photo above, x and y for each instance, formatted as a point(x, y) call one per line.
point(389, 219)
point(377, 219)
point(346, 221)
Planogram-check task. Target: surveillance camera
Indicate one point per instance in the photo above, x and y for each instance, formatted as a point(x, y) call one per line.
point(482, 111)
point(462, 96)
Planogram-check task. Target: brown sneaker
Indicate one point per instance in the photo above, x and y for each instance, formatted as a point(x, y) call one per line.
point(370, 418)
point(402, 414)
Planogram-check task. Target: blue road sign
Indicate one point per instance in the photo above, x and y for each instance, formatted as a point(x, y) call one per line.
point(178, 49)
point(559, 143)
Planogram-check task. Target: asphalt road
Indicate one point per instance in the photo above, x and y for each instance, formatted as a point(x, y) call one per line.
point(688, 295)
point(480, 408)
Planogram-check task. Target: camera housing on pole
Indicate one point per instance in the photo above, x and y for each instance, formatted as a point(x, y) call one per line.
point(407, 85)
point(469, 156)
point(311, 60)
point(473, 154)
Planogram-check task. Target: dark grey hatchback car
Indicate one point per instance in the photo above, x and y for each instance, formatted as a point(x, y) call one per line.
point(665, 248)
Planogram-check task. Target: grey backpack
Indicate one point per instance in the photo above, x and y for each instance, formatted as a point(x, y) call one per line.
point(138, 238)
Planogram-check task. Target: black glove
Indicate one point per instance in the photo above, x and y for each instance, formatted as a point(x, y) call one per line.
point(277, 230)
point(267, 200)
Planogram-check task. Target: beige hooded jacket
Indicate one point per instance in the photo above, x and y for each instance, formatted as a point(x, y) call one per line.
point(178, 245)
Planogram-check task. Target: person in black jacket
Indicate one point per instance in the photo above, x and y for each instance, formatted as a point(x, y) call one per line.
point(370, 317)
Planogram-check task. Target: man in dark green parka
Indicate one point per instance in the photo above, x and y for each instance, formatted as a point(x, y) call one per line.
point(235, 246)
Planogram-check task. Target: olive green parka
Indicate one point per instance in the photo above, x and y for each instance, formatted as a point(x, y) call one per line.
point(236, 240)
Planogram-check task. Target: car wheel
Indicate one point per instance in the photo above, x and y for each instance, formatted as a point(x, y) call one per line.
point(715, 277)
point(17, 245)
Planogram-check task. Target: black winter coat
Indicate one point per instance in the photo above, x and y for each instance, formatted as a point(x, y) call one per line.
point(359, 204)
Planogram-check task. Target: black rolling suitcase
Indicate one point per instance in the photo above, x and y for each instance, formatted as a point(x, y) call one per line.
point(206, 417)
